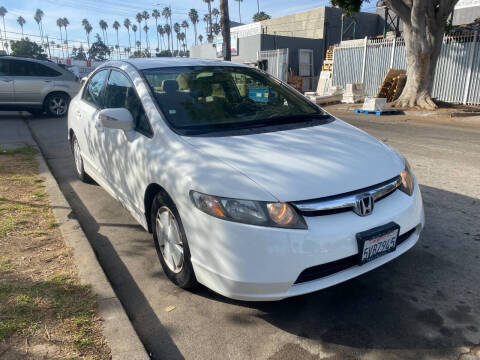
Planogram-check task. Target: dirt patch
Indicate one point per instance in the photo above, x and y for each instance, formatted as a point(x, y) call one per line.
point(44, 310)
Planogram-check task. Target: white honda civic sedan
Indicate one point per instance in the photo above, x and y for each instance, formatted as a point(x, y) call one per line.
point(247, 187)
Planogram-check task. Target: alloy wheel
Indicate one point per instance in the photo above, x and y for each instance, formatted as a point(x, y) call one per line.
point(169, 239)
point(58, 105)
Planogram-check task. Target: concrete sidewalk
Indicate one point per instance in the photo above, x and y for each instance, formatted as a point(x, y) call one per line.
point(118, 331)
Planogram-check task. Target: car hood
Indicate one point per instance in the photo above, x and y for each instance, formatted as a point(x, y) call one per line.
point(306, 163)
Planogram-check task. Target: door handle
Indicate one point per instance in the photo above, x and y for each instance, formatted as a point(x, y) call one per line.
point(79, 114)
point(47, 81)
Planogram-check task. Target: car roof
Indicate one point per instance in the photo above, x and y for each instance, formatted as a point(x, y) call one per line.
point(44, 61)
point(164, 62)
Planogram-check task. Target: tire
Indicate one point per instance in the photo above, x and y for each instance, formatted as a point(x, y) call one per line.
point(56, 104)
point(78, 161)
point(173, 251)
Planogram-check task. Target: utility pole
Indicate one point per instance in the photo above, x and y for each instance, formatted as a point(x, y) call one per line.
point(225, 24)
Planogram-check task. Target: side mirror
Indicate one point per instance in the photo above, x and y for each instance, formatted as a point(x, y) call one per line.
point(83, 80)
point(118, 118)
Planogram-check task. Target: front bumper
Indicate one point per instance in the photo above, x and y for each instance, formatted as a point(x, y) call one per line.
point(247, 262)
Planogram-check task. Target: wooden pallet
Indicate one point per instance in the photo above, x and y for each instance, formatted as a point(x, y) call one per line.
point(378, 113)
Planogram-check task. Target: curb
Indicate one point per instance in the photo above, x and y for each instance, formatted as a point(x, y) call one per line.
point(118, 331)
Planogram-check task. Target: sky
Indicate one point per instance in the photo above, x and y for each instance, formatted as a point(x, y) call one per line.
point(111, 10)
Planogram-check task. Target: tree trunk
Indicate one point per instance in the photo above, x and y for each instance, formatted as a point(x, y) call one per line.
point(422, 55)
point(423, 29)
point(225, 25)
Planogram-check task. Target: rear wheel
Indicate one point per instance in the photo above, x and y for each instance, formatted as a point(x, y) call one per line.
point(171, 242)
point(78, 161)
point(56, 104)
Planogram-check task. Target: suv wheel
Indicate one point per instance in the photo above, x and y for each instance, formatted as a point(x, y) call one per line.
point(56, 105)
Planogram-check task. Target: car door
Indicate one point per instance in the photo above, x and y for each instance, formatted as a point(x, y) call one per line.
point(7, 94)
point(32, 81)
point(90, 137)
point(125, 153)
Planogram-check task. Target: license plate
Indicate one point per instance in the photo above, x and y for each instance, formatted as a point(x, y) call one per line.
point(376, 242)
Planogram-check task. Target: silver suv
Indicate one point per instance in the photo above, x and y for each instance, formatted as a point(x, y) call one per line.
point(36, 85)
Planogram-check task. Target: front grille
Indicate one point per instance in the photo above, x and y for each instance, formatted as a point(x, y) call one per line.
point(320, 271)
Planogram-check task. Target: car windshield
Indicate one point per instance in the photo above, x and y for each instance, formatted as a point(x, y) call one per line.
point(199, 100)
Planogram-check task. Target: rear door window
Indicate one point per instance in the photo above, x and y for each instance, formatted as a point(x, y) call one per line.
point(93, 93)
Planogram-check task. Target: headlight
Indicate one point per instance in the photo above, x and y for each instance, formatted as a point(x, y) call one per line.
point(407, 185)
point(249, 212)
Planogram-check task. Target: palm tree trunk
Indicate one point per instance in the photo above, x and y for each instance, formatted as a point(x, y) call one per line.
point(66, 39)
point(61, 40)
point(239, 14)
point(140, 31)
point(209, 20)
point(258, 6)
point(171, 27)
point(129, 43)
point(195, 30)
point(156, 30)
point(4, 32)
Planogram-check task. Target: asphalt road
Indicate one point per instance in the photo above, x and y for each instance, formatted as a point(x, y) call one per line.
point(423, 305)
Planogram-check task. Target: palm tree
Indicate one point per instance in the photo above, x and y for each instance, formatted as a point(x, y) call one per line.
point(60, 25)
point(21, 21)
point(134, 29)
point(161, 32)
point(193, 15)
point(258, 6)
point(168, 31)
point(88, 29)
point(146, 16)
point(200, 38)
point(176, 28)
point(38, 19)
point(216, 29)
point(65, 23)
point(116, 26)
point(209, 25)
point(146, 28)
point(127, 25)
point(167, 14)
point(139, 18)
point(182, 38)
point(185, 26)
point(3, 12)
point(156, 15)
point(103, 25)
point(215, 13)
point(206, 19)
point(239, 14)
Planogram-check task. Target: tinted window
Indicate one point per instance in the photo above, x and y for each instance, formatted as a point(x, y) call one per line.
point(207, 99)
point(42, 70)
point(93, 91)
point(120, 93)
point(4, 68)
point(29, 68)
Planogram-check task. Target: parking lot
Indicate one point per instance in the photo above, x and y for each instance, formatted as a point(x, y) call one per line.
point(423, 305)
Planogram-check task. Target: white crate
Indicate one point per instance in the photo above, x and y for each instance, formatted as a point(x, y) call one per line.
point(374, 104)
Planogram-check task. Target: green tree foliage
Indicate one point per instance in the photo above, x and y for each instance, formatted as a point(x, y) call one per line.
point(98, 51)
point(262, 15)
point(27, 48)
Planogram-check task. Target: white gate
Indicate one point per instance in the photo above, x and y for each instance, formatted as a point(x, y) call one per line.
point(277, 62)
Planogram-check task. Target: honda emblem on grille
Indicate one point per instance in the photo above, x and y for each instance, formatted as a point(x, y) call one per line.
point(364, 205)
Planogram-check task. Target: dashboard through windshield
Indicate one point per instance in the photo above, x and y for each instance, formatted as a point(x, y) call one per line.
point(199, 100)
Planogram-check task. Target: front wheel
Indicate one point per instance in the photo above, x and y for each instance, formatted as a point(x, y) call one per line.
point(171, 242)
point(56, 105)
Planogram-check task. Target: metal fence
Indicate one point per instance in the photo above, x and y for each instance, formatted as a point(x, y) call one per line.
point(457, 76)
point(277, 62)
